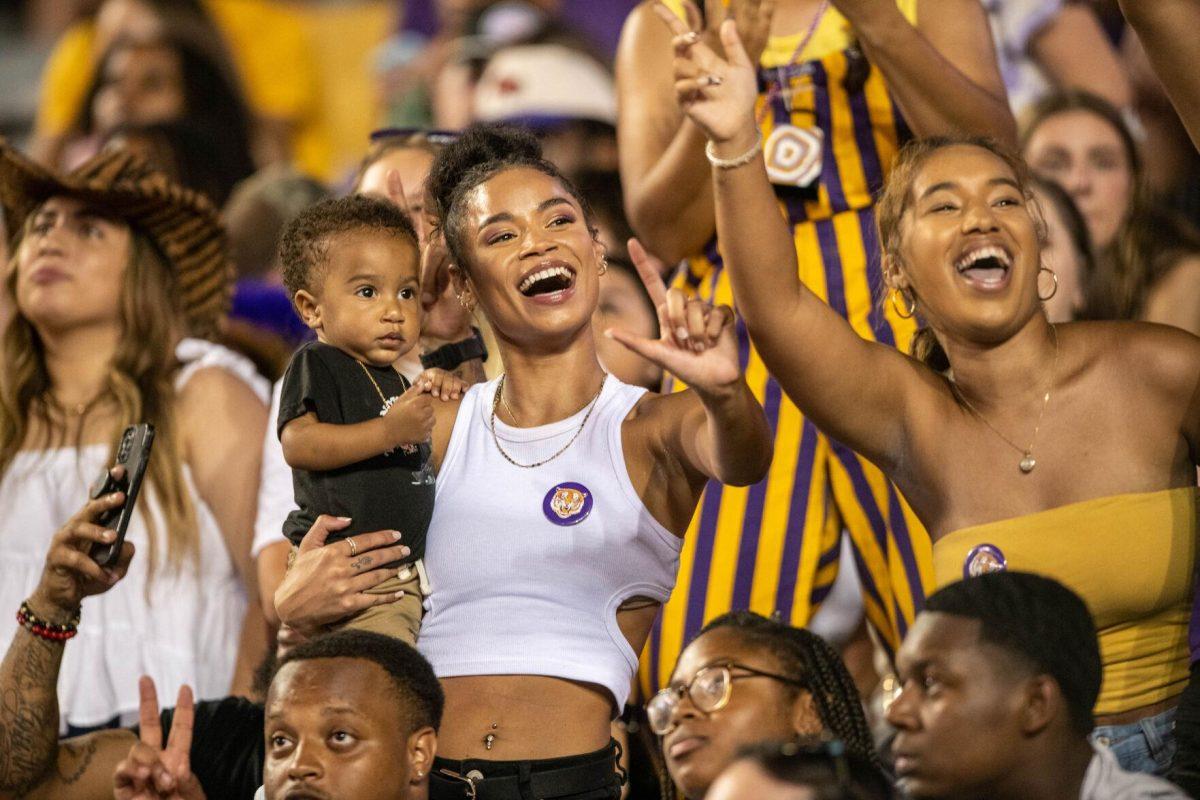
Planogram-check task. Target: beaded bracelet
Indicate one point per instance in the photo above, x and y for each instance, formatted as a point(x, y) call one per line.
point(732, 163)
point(50, 631)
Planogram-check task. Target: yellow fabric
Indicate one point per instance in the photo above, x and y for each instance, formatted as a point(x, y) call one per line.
point(270, 43)
point(1131, 558)
point(343, 39)
point(773, 548)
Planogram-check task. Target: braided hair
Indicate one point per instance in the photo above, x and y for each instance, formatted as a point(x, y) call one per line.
point(480, 153)
point(808, 658)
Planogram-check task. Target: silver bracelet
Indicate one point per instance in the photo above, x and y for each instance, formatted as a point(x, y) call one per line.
point(732, 163)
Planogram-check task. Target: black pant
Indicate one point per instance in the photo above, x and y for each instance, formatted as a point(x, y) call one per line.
point(591, 776)
point(1185, 769)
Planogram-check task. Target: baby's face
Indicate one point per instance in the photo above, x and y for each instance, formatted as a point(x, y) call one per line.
point(368, 302)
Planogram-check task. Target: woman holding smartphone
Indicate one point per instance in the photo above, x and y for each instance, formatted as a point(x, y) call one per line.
point(113, 268)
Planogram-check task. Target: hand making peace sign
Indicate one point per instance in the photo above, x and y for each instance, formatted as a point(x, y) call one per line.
point(696, 342)
point(718, 94)
point(154, 772)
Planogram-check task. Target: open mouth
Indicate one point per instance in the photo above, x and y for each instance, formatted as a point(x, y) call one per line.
point(986, 266)
point(547, 280)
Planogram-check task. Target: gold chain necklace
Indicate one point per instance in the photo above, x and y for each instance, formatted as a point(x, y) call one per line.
point(371, 378)
point(496, 401)
point(1027, 462)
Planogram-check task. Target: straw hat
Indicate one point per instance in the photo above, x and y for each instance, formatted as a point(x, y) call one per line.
point(181, 222)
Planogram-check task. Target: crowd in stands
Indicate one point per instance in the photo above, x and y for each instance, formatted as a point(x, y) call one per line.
point(781, 399)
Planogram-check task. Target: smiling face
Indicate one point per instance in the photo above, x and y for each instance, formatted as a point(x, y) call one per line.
point(959, 714)
point(335, 729)
point(532, 261)
point(71, 266)
point(968, 245)
point(760, 709)
point(367, 303)
point(1088, 157)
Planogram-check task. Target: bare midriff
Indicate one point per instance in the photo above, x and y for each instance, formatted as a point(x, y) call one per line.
point(524, 717)
point(1137, 714)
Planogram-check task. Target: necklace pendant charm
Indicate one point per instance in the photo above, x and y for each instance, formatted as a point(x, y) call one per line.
point(1027, 464)
point(793, 155)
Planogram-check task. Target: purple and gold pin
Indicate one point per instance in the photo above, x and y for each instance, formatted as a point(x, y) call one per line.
point(982, 559)
point(567, 504)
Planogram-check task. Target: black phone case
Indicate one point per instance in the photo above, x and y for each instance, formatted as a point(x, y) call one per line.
point(133, 453)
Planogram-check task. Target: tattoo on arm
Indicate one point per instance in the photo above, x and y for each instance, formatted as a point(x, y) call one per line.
point(78, 757)
point(28, 711)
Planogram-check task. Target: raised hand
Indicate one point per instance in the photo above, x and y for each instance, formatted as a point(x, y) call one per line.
point(696, 342)
point(154, 772)
point(752, 17)
point(70, 574)
point(718, 94)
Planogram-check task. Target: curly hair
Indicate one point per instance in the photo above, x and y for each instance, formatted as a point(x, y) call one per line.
point(808, 658)
point(482, 152)
point(305, 241)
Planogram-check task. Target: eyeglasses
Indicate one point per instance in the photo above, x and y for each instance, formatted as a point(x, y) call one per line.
point(709, 690)
point(431, 135)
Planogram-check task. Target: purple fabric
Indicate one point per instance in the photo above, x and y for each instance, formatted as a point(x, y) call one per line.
point(599, 20)
point(268, 306)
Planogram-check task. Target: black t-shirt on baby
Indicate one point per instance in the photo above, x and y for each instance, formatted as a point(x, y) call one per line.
point(390, 491)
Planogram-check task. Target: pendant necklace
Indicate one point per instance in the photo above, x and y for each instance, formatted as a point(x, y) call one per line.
point(792, 154)
point(1027, 462)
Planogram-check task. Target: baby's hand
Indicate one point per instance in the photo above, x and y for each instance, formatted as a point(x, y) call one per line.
point(410, 419)
point(441, 384)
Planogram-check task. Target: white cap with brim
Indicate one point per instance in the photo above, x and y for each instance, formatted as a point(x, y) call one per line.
point(544, 85)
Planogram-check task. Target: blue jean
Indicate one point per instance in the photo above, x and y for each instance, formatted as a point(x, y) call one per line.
point(1147, 745)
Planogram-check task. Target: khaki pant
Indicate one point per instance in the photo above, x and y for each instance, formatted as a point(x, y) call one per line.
point(400, 619)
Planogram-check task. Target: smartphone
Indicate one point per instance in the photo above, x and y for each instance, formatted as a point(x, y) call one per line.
point(133, 453)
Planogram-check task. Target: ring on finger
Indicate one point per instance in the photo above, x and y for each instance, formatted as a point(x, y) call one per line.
point(353, 547)
point(711, 80)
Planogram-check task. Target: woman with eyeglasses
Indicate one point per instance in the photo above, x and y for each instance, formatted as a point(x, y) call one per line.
point(745, 680)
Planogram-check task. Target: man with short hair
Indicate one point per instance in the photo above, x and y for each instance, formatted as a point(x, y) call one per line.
point(999, 675)
point(351, 714)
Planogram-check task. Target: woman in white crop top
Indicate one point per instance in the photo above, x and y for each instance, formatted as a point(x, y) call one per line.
point(562, 493)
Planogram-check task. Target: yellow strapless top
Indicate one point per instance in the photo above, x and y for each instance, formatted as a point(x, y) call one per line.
point(1130, 557)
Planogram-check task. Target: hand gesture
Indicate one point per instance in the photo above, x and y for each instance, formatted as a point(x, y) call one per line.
point(150, 771)
point(410, 419)
point(718, 94)
point(442, 384)
point(70, 574)
point(752, 17)
point(696, 343)
point(327, 583)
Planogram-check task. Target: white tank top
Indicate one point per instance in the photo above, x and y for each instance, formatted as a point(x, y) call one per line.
point(527, 567)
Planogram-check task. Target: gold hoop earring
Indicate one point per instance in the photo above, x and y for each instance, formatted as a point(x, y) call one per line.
point(467, 302)
point(1053, 291)
point(603, 264)
point(910, 304)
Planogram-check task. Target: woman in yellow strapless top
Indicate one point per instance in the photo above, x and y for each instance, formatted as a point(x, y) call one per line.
point(1001, 416)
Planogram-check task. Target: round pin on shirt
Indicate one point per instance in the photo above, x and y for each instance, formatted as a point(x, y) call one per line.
point(567, 504)
point(982, 559)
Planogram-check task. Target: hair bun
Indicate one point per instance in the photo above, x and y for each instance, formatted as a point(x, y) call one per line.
point(480, 144)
